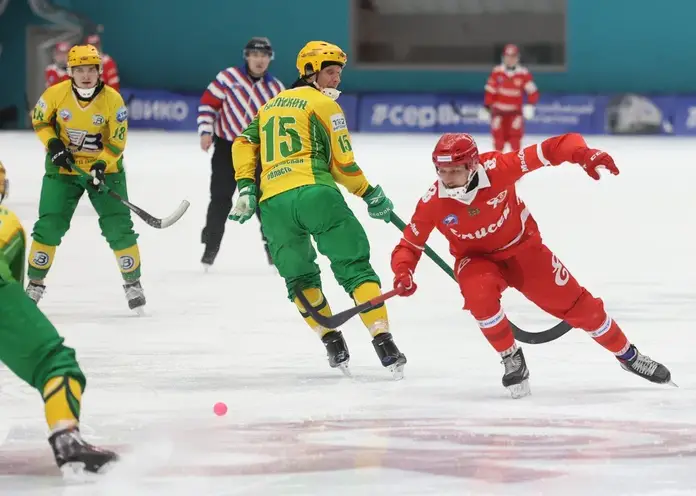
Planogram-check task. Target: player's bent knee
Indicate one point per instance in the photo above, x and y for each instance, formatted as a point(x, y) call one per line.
point(586, 313)
point(301, 283)
point(50, 229)
point(482, 293)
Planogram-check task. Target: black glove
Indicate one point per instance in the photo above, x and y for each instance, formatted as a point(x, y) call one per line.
point(60, 156)
point(98, 177)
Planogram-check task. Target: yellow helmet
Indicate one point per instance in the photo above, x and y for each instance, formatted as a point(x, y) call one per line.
point(315, 55)
point(4, 183)
point(84, 55)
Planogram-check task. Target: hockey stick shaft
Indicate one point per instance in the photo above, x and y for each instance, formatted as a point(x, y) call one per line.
point(335, 320)
point(546, 336)
point(149, 219)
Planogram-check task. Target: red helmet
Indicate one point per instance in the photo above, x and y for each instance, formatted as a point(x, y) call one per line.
point(511, 50)
point(63, 47)
point(456, 150)
point(93, 39)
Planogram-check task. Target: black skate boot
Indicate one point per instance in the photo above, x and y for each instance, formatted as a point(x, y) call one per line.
point(76, 458)
point(35, 291)
point(337, 351)
point(389, 354)
point(516, 377)
point(209, 255)
point(647, 368)
point(135, 296)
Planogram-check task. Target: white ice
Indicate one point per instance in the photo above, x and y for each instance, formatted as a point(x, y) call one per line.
point(297, 427)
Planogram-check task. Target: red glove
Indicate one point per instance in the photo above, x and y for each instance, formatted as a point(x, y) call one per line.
point(592, 160)
point(403, 278)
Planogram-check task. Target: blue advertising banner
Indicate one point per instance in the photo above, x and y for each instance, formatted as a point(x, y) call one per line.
point(639, 114)
point(388, 113)
point(558, 114)
point(685, 116)
point(555, 114)
point(349, 104)
point(155, 109)
point(622, 114)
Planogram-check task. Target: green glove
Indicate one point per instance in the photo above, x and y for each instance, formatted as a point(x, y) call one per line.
point(378, 205)
point(246, 203)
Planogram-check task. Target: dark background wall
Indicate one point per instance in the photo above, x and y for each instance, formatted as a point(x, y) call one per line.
point(612, 45)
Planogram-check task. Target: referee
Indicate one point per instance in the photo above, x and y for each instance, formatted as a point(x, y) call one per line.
point(227, 107)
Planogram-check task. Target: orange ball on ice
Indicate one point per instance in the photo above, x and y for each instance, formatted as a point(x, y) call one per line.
point(220, 409)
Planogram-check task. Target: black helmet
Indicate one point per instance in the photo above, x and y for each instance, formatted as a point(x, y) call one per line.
point(260, 44)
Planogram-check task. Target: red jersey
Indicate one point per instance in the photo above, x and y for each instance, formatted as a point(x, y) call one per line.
point(505, 89)
point(55, 74)
point(488, 219)
point(110, 72)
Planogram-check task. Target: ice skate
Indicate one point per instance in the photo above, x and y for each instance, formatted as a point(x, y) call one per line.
point(389, 354)
point(35, 291)
point(77, 459)
point(647, 368)
point(209, 256)
point(516, 377)
point(337, 351)
point(135, 296)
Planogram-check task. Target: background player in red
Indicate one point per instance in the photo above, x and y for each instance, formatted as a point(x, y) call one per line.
point(496, 244)
point(109, 69)
point(504, 103)
point(58, 70)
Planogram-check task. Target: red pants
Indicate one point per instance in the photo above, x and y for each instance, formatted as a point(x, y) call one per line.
point(507, 128)
point(538, 274)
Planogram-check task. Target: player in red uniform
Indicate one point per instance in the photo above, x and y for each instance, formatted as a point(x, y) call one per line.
point(504, 100)
point(496, 244)
point(109, 69)
point(58, 70)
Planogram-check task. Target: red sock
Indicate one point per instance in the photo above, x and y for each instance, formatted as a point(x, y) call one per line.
point(610, 336)
point(497, 331)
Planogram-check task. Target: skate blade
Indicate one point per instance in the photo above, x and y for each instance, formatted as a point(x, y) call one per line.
point(671, 383)
point(345, 369)
point(206, 267)
point(140, 311)
point(520, 390)
point(397, 371)
point(75, 472)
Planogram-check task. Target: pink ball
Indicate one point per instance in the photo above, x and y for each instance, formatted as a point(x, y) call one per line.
point(220, 409)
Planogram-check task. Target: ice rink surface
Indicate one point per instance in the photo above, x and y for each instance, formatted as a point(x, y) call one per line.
point(297, 427)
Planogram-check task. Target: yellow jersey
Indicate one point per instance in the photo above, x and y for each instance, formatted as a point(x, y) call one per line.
point(93, 130)
point(301, 138)
point(12, 246)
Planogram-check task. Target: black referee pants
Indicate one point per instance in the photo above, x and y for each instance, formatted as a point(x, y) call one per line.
point(222, 186)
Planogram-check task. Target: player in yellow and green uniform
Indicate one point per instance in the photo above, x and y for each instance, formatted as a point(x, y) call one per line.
point(32, 348)
point(84, 124)
point(305, 150)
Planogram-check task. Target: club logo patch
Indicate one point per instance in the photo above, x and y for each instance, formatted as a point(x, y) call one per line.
point(451, 220)
point(338, 122)
point(122, 114)
point(40, 259)
point(126, 262)
point(98, 120)
point(65, 115)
